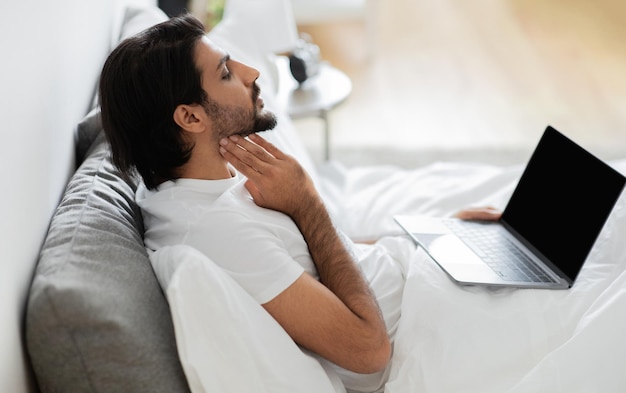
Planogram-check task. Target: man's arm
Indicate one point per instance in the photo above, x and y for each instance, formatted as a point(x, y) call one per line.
point(338, 318)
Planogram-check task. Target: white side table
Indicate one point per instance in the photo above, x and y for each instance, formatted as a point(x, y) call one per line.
point(315, 97)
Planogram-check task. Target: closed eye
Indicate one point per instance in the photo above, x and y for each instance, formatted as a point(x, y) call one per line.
point(223, 66)
point(226, 75)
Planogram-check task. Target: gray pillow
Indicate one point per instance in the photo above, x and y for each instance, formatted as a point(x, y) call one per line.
point(96, 319)
point(87, 135)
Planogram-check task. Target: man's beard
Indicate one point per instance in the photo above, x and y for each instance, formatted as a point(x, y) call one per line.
point(232, 120)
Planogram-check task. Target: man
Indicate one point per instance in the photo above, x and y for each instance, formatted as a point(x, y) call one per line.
point(176, 108)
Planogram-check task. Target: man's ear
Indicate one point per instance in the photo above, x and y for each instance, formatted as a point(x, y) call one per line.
point(191, 118)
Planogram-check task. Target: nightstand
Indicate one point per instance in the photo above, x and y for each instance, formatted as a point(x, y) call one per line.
point(316, 97)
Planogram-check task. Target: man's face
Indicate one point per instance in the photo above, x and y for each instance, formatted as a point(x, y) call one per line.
point(233, 104)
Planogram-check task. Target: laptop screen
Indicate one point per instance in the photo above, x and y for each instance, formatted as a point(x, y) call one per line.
point(562, 201)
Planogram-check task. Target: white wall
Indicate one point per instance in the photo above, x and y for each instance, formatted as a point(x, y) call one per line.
point(52, 53)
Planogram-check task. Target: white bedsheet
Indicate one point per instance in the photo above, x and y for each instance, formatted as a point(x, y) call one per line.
point(470, 339)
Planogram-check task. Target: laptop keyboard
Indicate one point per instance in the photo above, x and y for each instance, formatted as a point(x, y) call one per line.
point(501, 254)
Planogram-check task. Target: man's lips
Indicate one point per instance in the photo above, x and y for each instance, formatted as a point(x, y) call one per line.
point(256, 96)
point(259, 102)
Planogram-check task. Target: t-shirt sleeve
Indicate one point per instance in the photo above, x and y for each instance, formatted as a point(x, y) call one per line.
point(249, 251)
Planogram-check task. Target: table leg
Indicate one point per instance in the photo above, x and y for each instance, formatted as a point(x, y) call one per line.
point(324, 116)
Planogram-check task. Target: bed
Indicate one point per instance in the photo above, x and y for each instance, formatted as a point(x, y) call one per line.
point(88, 309)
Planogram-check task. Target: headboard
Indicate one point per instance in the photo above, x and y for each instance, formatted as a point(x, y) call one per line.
point(53, 52)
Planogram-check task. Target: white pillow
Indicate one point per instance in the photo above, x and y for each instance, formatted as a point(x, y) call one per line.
point(226, 341)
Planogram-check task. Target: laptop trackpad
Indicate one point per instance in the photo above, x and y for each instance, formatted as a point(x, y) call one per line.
point(456, 258)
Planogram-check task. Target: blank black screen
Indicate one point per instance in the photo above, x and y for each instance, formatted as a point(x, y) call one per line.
point(562, 201)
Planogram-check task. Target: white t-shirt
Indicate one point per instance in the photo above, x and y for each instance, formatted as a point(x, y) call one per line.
point(261, 249)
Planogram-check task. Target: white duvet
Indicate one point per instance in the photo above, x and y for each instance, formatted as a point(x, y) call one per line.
point(471, 339)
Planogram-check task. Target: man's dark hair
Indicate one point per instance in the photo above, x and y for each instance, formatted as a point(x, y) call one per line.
point(143, 80)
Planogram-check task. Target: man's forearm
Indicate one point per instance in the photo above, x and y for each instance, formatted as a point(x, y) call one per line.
point(335, 263)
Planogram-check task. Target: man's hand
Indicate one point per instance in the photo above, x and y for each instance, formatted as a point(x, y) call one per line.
point(275, 180)
point(486, 213)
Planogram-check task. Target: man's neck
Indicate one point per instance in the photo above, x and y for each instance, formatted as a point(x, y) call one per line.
point(211, 166)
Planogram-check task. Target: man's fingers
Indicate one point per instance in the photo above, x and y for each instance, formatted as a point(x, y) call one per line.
point(243, 160)
point(258, 151)
point(239, 163)
point(479, 213)
point(269, 147)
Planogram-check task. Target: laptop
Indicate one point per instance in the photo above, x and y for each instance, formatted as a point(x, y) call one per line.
point(547, 229)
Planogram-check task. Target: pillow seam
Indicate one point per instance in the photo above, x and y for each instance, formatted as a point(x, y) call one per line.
point(70, 334)
point(79, 224)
